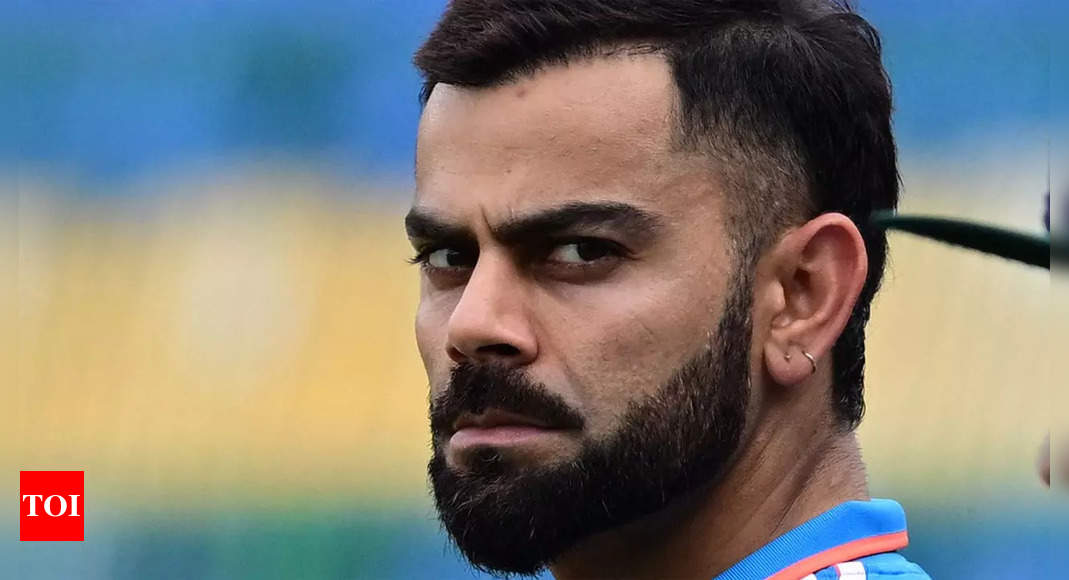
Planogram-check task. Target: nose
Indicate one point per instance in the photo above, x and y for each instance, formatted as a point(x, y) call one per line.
point(490, 323)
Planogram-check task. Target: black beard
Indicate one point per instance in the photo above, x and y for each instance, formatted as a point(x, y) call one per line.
point(508, 521)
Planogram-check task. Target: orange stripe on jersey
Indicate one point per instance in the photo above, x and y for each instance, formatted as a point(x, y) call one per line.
point(844, 553)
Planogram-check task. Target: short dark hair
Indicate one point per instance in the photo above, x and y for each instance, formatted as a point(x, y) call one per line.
point(789, 96)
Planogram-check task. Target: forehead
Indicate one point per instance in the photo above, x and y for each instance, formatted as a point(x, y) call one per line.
point(596, 128)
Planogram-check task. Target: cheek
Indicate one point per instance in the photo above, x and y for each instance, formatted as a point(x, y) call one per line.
point(632, 341)
point(432, 318)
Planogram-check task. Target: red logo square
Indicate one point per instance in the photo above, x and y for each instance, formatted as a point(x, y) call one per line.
point(52, 506)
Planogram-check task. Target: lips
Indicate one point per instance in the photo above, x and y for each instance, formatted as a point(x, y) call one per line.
point(499, 429)
point(495, 418)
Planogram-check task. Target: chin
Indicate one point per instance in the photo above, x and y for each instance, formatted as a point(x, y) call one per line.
point(504, 460)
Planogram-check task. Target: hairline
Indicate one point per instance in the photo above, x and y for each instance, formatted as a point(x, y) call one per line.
point(722, 151)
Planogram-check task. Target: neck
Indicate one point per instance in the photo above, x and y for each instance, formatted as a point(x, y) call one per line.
point(784, 476)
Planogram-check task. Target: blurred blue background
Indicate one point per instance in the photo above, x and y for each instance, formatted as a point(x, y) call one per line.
point(211, 316)
point(111, 89)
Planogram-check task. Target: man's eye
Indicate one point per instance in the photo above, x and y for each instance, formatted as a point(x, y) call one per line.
point(449, 258)
point(582, 251)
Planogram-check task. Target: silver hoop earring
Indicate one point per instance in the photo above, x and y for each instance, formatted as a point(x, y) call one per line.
point(812, 361)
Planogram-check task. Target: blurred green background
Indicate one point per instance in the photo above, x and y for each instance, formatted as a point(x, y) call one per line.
point(208, 308)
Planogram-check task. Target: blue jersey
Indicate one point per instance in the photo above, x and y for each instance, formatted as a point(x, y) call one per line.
point(856, 540)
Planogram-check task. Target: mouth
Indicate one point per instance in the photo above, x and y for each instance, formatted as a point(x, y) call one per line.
point(497, 428)
point(492, 418)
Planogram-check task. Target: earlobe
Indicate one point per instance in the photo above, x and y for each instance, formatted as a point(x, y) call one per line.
point(789, 365)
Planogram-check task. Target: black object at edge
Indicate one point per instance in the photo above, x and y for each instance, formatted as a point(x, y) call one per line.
point(1030, 249)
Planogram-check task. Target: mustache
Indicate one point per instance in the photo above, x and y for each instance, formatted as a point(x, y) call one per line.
point(476, 388)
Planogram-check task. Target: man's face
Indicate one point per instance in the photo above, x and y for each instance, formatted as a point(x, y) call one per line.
point(575, 276)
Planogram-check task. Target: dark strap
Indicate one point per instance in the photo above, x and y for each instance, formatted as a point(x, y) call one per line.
point(1030, 249)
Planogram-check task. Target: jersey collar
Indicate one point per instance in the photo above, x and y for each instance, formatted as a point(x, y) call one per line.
point(849, 531)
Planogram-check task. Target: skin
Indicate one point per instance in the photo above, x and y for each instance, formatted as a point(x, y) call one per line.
point(604, 332)
point(1043, 461)
point(1043, 464)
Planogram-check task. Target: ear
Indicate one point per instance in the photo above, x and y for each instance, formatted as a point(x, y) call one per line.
point(811, 280)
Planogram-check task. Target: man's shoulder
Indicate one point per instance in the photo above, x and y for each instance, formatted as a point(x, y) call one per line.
point(887, 565)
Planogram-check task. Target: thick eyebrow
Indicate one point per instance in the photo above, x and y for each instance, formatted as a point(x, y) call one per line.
point(421, 224)
point(635, 222)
